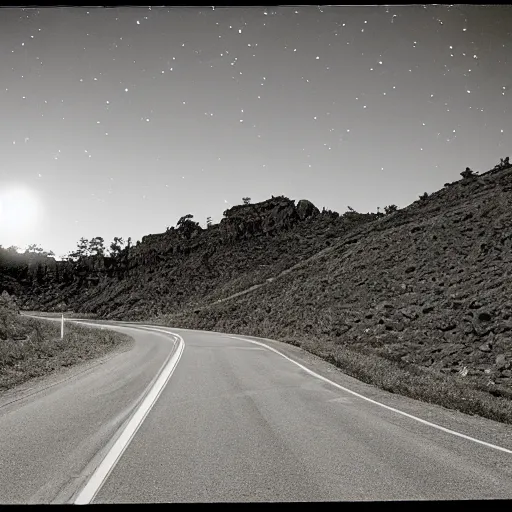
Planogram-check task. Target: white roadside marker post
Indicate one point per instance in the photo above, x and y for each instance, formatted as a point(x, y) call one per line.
point(62, 327)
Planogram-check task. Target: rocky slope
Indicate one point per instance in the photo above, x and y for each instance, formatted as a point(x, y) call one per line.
point(183, 267)
point(429, 285)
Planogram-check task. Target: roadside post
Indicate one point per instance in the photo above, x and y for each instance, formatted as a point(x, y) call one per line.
point(62, 327)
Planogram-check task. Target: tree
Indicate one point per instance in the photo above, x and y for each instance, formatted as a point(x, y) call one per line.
point(187, 226)
point(83, 247)
point(40, 273)
point(208, 222)
point(350, 209)
point(96, 247)
point(379, 213)
point(127, 251)
point(13, 249)
point(246, 200)
point(35, 249)
point(184, 219)
point(32, 248)
point(71, 256)
point(116, 246)
point(392, 208)
point(81, 251)
point(424, 196)
point(468, 173)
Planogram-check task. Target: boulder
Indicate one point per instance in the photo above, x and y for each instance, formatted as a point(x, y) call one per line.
point(501, 362)
point(306, 209)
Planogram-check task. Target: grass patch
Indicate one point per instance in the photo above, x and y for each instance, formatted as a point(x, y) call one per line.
point(415, 382)
point(67, 314)
point(32, 348)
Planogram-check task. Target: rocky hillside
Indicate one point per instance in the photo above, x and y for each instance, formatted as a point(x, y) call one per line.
point(183, 267)
point(429, 285)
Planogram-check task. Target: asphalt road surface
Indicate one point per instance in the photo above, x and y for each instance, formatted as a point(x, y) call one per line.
point(191, 416)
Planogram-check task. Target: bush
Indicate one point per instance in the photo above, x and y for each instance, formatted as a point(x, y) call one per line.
point(392, 208)
point(8, 302)
point(468, 173)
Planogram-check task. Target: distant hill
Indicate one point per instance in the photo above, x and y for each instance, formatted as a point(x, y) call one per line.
point(184, 267)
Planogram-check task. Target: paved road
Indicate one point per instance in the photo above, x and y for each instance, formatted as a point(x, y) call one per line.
point(48, 438)
point(238, 422)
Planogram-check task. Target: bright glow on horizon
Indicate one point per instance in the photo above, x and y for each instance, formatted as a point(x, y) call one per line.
point(19, 214)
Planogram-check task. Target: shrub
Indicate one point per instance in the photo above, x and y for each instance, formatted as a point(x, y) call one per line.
point(468, 173)
point(392, 208)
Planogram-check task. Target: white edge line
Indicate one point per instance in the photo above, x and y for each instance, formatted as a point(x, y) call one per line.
point(453, 432)
point(314, 374)
point(98, 478)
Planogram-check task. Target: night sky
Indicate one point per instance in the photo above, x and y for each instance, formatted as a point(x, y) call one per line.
point(118, 121)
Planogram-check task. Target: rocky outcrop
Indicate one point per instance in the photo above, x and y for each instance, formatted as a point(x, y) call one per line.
point(306, 209)
point(266, 218)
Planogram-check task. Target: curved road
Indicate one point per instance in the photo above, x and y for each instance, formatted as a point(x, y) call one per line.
point(192, 416)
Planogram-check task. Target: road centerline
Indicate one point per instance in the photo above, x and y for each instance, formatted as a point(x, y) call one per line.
point(100, 475)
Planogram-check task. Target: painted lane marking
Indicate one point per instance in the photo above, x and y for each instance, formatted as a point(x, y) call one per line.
point(102, 472)
point(314, 374)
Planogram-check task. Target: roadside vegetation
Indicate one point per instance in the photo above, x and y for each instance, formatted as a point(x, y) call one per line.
point(415, 382)
point(32, 348)
point(67, 315)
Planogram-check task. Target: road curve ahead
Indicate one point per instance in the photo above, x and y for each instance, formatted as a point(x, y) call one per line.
point(54, 431)
point(237, 421)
